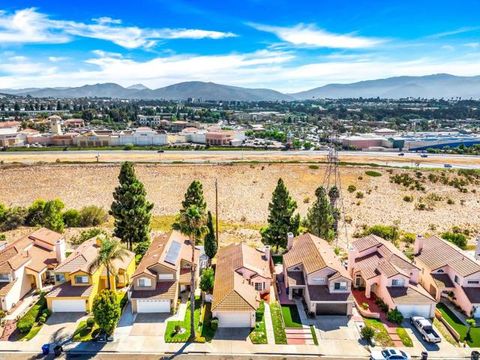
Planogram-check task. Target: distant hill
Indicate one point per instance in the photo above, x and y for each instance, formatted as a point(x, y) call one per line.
point(430, 86)
point(180, 91)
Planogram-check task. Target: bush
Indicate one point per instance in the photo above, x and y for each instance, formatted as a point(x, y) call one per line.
point(351, 188)
point(395, 316)
point(450, 201)
point(87, 235)
point(259, 312)
point(408, 198)
point(381, 304)
point(2, 314)
point(42, 319)
point(35, 216)
point(313, 167)
point(367, 333)
point(373, 173)
point(90, 322)
point(359, 195)
point(26, 323)
point(365, 306)
point(456, 238)
point(12, 218)
point(92, 216)
point(408, 238)
point(142, 247)
point(386, 232)
point(71, 218)
point(214, 324)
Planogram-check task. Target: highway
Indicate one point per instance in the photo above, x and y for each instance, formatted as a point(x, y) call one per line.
point(227, 156)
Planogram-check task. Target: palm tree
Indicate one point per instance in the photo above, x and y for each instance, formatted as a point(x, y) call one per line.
point(192, 223)
point(110, 250)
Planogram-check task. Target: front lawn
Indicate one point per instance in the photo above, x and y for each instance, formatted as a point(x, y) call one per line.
point(171, 334)
point(291, 317)
point(406, 340)
point(259, 333)
point(473, 340)
point(31, 323)
point(278, 326)
point(84, 332)
point(381, 336)
point(208, 332)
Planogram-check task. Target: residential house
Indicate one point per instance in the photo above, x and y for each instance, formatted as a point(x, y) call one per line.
point(164, 272)
point(243, 276)
point(314, 273)
point(378, 267)
point(77, 283)
point(27, 264)
point(448, 271)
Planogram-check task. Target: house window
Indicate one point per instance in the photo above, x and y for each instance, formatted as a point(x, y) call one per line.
point(259, 286)
point(59, 278)
point(340, 285)
point(144, 282)
point(4, 277)
point(81, 279)
point(397, 282)
point(457, 279)
point(473, 282)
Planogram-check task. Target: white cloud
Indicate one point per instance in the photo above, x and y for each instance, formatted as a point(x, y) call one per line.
point(473, 45)
point(31, 26)
point(273, 69)
point(56, 59)
point(311, 36)
point(461, 30)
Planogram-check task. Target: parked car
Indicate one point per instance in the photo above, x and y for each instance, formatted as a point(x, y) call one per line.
point(401, 154)
point(423, 155)
point(447, 166)
point(425, 328)
point(389, 354)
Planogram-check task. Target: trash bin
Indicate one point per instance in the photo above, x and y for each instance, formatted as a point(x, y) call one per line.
point(45, 349)
point(424, 355)
point(475, 355)
point(57, 350)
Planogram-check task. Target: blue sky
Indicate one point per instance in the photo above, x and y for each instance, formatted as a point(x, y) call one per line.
point(284, 45)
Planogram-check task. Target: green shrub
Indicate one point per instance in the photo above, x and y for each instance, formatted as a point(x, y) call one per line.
point(26, 323)
point(313, 167)
point(351, 188)
point(214, 324)
point(259, 312)
point(456, 238)
point(395, 316)
point(12, 218)
point(373, 173)
point(359, 195)
point(450, 201)
point(408, 198)
point(42, 319)
point(71, 218)
point(2, 314)
point(86, 235)
point(90, 322)
point(367, 333)
point(387, 232)
point(408, 238)
point(92, 216)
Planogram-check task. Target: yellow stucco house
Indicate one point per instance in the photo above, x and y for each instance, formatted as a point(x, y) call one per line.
point(76, 285)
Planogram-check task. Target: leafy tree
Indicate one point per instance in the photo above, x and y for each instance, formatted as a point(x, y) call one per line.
point(210, 240)
point(106, 310)
point(281, 219)
point(35, 213)
point(142, 248)
point(12, 218)
point(130, 208)
point(207, 280)
point(110, 250)
point(193, 196)
point(52, 214)
point(87, 235)
point(320, 218)
point(456, 238)
point(191, 222)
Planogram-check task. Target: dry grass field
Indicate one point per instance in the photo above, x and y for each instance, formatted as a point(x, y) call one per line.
point(244, 194)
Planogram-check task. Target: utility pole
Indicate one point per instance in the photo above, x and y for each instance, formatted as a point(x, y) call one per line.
point(216, 211)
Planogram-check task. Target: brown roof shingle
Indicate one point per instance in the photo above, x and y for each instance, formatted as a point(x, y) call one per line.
point(165, 290)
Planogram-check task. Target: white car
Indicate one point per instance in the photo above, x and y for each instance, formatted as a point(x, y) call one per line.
point(389, 354)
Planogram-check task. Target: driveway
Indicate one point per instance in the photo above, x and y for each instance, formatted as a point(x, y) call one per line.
point(336, 328)
point(232, 334)
point(153, 324)
point(58, 328)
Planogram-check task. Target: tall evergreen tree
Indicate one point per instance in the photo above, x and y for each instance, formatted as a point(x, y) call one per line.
point(321, 216)
point(281, 219)
point(130, 208)
point(52, 215)
point(193, 197)
point(210, 240)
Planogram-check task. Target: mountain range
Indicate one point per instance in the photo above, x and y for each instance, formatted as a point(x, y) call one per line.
point(430, 86)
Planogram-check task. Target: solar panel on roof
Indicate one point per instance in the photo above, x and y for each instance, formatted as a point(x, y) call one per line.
point(173, 252)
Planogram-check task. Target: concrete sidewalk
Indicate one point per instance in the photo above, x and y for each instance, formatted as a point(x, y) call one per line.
point(268, 325)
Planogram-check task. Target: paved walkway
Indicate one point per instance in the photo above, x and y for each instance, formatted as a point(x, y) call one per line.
point(23, 307)
point(181, 311)
point(268, 325)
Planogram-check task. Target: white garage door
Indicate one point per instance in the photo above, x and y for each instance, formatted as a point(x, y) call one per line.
point(68, 306)
point(153, 306)
point(415, 310)
point(234, 319)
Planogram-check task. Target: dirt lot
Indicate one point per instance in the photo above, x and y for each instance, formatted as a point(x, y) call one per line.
point(244, 193)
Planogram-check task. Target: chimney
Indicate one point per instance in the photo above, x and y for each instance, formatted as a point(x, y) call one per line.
point(267, 251)
point(60, 250)
point(477, 249)
point(418, 246)
point(289, 240)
